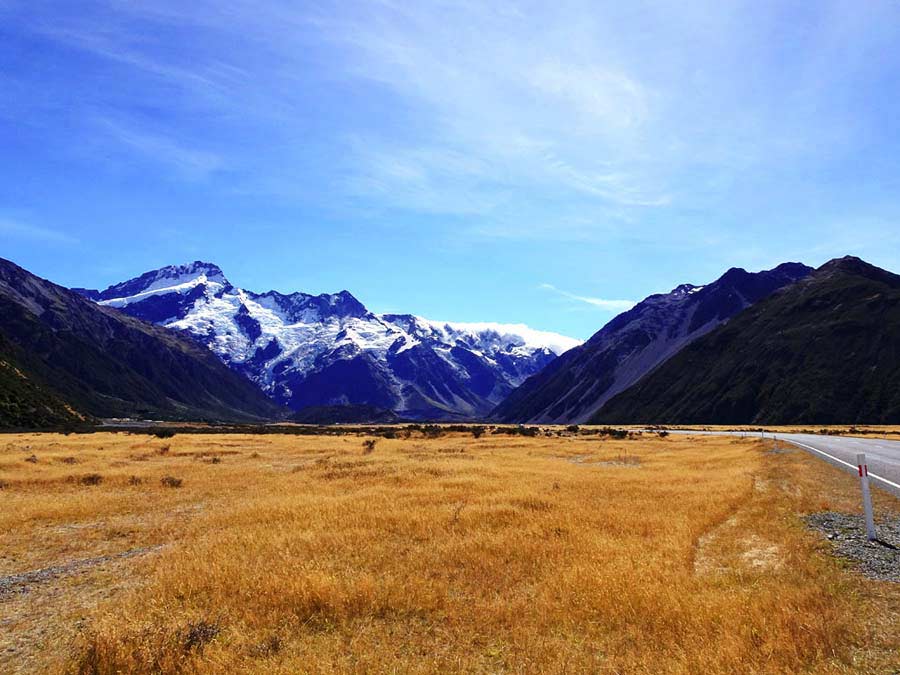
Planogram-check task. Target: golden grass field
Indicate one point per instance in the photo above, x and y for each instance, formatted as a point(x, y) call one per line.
point(883, 431)
point(295, 554)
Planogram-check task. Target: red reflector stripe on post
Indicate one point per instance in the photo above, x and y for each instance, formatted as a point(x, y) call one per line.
point(860, 470)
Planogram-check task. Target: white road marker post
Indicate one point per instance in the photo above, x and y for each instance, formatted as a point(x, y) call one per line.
point(866, 495)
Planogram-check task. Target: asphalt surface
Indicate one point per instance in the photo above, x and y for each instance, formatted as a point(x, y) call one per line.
point(882, 457)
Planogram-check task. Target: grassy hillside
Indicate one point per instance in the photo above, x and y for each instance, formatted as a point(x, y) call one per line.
point(26, 404)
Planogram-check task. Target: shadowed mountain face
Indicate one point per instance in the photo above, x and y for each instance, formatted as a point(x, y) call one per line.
point(824, 350)
point(341, 414)
point(322, 351)
point(582, 380)
point(26, 404)
point(60, 347)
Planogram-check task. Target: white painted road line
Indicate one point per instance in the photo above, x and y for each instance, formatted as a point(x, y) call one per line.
point(889, 483)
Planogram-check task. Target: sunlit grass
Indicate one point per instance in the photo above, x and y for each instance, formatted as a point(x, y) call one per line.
point(298, 554)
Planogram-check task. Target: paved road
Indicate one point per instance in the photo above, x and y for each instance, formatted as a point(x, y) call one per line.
point(882, 457)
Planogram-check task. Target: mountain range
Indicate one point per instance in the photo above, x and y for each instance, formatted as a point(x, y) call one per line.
point(790, 345)
point(328, 350)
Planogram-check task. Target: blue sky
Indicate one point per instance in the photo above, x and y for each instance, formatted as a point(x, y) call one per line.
point(527, 162)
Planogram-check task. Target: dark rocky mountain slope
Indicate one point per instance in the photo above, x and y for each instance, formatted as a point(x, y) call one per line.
point(581, 381)
point(824, 350)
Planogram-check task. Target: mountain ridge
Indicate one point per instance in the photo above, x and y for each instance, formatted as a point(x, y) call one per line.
point(821, 351)
point(324, 350)
point(581, 381)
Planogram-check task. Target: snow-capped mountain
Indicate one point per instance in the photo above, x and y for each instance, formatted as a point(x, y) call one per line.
point(312, 350)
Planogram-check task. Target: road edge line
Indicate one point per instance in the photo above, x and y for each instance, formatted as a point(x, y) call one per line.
point(890, 485)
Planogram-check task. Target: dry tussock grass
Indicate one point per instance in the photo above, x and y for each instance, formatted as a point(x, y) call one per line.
point(884, 431)
point(451, 554)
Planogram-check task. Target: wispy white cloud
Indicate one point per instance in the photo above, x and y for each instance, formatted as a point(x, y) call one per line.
point(508, 108)
point(187, 162)
point(534, 113)
point(511, 113)
point(601, 303)
point(19, 230)
point(121, 47)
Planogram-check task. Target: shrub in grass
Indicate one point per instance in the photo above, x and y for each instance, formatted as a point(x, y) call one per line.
point(199, 633)
point(171, 482)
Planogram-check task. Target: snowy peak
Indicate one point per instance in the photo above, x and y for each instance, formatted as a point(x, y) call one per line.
point(172, 279)
point(685, 289)
point(161, 296)
point(304, 308)
point(484, 336)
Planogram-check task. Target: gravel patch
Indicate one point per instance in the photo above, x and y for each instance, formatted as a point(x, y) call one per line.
point(20, 583)
point(847, 533)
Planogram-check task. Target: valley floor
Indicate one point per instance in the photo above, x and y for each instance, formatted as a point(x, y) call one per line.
point(281, 554)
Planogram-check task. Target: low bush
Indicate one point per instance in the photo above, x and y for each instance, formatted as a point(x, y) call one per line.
point(200, 633)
